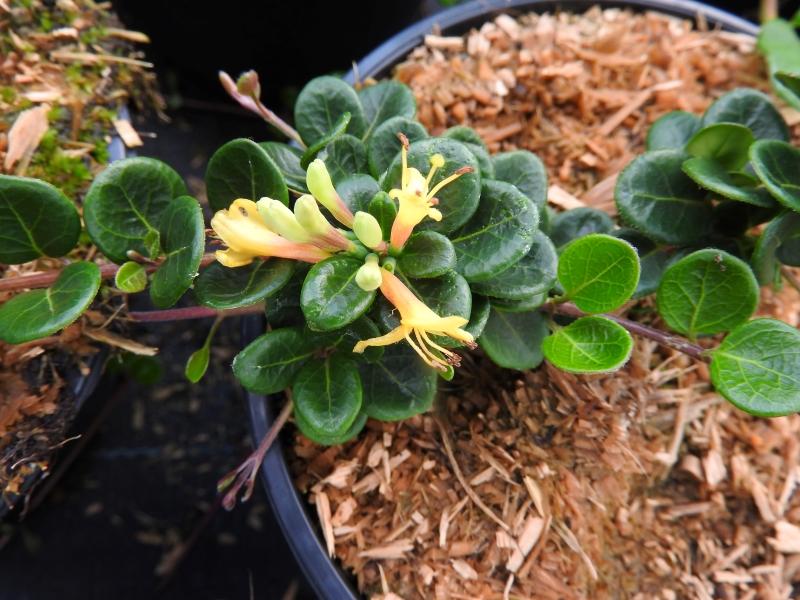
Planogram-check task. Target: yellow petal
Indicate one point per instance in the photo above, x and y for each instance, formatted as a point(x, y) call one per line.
point(394, 336)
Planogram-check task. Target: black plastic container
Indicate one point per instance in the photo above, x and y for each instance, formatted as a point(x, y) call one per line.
point(299, 525)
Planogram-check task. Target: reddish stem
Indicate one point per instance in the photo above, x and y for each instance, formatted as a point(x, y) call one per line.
point(191, 312)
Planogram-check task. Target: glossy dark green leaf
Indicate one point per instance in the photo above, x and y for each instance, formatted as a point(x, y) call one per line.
point(131, 277)
point(499, 233)
point(723, 143)
point(268, 364)
point(331, 298)
point(330, 440)
point(757, 368)
point(427, 254)
point(357, 191)
point(752, 109)
point(345, 156)
point(183, 241)
point(243, 169)
point(197, 365)
point(525, 171)
point(589, 345)
point(734, 219)
point(777, 165)
point(526, 305)
point(458, 201)
point(578, 222)
point(711, 175)
point(764, 261)
point(779, 44)
point(384, 209)
point(398, 386)
point(470, 138)
point(38, 313)
point(125, 202)
point(534, 274)
point(287, 159)
point(707, 292)
point(283, 308)
point(479, 315)
point(789, 251)
point(337, 130)
point(654, 196)
point(327, 394)
point(224, 288)
point(513, 340)
point(362, 328)
point(321, 103)
point(599, 273)
point(386, 100)
point(384, 145)
point(653, 260)
point(36, 220)
point(672, 131)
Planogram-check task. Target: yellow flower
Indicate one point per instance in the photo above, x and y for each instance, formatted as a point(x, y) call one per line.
point(247, 237)
point(416, 200)
point(417, 318)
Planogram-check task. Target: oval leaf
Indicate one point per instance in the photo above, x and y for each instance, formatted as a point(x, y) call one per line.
point(589, 345)
point(599, 273)
point(39, 313)
point(525, 171)
point(287, 159)
point(479, 315)
point(513, 340)
point(499, 234)
point(384, 145)
point(338, 129)
point(707, 292)
point(384, 209)
point(757, 368)
point(470, 138)
point(197, 365)
point(321, 103)
point(579, 222)
point(386, 100)
point(672, 131)
point(224, 288)
point(777, 165)
point(327, 395)
point(752, 109)
point(711, 175)
point(36, 220)
point(243, 169)
point(357, 191)
point(125, 202)
point(330, 440)
point(427, 254)
point(331, 298)
point(345, 156)
point(724, 143)
point(131, 277)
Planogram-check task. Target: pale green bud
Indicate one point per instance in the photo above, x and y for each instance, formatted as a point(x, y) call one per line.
point(280, 219)
point(321, 187)
point(367, 229)
point(309, 216)
point(368, 276)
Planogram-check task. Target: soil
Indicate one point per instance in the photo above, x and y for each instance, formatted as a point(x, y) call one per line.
point(640, 484)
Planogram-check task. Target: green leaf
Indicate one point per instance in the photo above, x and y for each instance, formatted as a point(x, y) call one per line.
point(763, 260)
point(752, 109)
point(384, 145)
point(399, 386)
point(330, 440)
point(243, 169)
point(345, 156)
point(336, 131)
point(470, 138)
point(125, 202)
point(724, 143)
point(779, 44)
point(36, 220)
point(386, 100)
point(268, 365)
point(458, 201)
point(327, 394)
point(653, 260)
point(711, 175)
point(589, 345)
point(320, 104)
point(777, 164)
point(672, 131)
point(707, 292)
point(427, 254)
point(197, 365)
point(287, 159)
point(224, 288)
point(152, 243)
point(534, 274)
point(498, 234)
point(599, 273)
point(283, 309)
point(479, 315)
point(183, 239)
point(513, 340)
point(579, 222)
point(331, 298)
point(528, 304)
point(357, 191)
point(654, 196)
point(384, 209)
point(757, 368)
point(526, 172)
point(733, 219)
point(39, 313)
point(362, 328)
point(131, 277)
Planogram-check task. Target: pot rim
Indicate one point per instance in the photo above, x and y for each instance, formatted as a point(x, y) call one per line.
point(291, 510)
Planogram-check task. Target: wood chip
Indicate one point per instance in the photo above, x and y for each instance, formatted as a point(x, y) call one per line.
point(24, 136)
point(324, 514)
point(127, 133)
point(787, 538)
point(397, 549)
point(559, 197)
point(527, 540)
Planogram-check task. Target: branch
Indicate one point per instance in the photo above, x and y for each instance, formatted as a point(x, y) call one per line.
point(768, 10)
point(661, 337)
point(192, 312)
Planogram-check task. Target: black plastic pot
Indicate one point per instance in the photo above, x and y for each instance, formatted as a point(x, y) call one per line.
point(299, 525)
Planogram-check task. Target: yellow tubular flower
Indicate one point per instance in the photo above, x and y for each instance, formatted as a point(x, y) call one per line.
point(417, 318)
point(416, 200)
point(248, 237)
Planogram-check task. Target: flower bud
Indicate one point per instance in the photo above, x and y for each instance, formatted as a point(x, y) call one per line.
point(321, 187)
point(248, 84)
point(280, 219)
point(309, 216)
point(369, 276)
point(368, 230)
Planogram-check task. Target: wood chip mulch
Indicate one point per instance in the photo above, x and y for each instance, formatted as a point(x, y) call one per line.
point(640, 484)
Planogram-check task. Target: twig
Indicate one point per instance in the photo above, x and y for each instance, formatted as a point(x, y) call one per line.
point(768, 10)
point(661, 337)
point(464, 483)
point(191, 312)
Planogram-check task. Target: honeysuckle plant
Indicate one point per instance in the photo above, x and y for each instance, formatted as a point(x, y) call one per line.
point(378, 254)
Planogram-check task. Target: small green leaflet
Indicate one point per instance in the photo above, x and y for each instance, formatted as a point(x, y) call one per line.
point(724, 143)
point(589, 345)
point(131, 277)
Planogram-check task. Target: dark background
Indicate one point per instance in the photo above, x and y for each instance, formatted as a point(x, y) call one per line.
point(145, 484)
